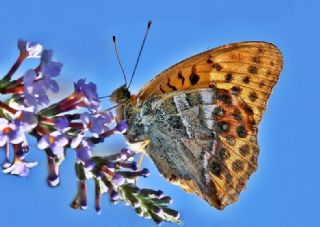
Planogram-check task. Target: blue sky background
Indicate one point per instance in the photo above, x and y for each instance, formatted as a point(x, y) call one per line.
point(285, 191)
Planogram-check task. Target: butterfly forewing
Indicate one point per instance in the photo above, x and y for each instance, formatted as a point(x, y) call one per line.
point(201, 118)
point(249, 69)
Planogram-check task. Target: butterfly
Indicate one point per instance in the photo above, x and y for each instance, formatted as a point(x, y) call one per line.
point(198, 120)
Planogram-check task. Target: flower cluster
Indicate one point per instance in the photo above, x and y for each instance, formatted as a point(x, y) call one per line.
point(77, 123)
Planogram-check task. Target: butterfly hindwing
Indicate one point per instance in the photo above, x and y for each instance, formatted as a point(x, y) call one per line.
point(197, 140)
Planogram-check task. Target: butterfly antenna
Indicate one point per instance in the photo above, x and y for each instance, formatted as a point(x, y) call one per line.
point(106, 96)
point(112, 107)
point(139, 55)
point(119, 61)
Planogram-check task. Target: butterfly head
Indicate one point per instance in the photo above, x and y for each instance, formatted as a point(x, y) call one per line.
point(121, 94)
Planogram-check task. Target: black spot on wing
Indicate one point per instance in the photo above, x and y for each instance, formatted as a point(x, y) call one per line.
point(246, 80)
point(241, 131)
point(171, 86)
point(228, 77)
point(217, 66)
point(225, 98)
point(180, 76)
point(252, 69)
point(161, 89)
point(215, 168)
point(194, 77)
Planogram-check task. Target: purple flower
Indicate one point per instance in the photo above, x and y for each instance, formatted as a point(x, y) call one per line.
point(36, 100)
point(52, 69)
point(56, 141)
point(83, 149)
point(28, 80)
point(10, 132)
point(108, 116)
point(121, 126)
point(118, 179)
point(31, 48)
point(48, 84)
point(34, 90)
point(20, 167)
point(48, 67)
point(144, 172)
point(90, 94)
point(46, 56)
point(25, 120)
point(96, 123)
point(159, 194)
point(35, 86)
point(125, 155)
point(114, 195)
point(61, 124)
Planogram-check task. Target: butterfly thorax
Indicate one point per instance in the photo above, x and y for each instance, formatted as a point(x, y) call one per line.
point(129, 110)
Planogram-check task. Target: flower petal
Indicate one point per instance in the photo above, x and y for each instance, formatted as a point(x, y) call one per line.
point(43, 142)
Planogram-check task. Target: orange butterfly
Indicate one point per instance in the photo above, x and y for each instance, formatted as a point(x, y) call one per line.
point(198, 119)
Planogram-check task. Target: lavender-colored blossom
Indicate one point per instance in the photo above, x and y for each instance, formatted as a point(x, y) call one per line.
point(48, 67)
point(28, 80)
point(144, 172)
point(84, 154)
point(75, 142)
point(10, 132)
point(83, 149)
point(35, 86)
point(95, 123)
point(61, 124)
point(114, 195)
point(36, 100)
point(31, 48)
point(34, 90)
point(48, 84)
point(20, 168)
point(56, 141)
point(108, 116)
point(126, 151)
point(121, 126)
point(90, 94)
point(159, 194)
point(46, 56)
point(118, 179)
point(25, 120)
point(51, 69)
